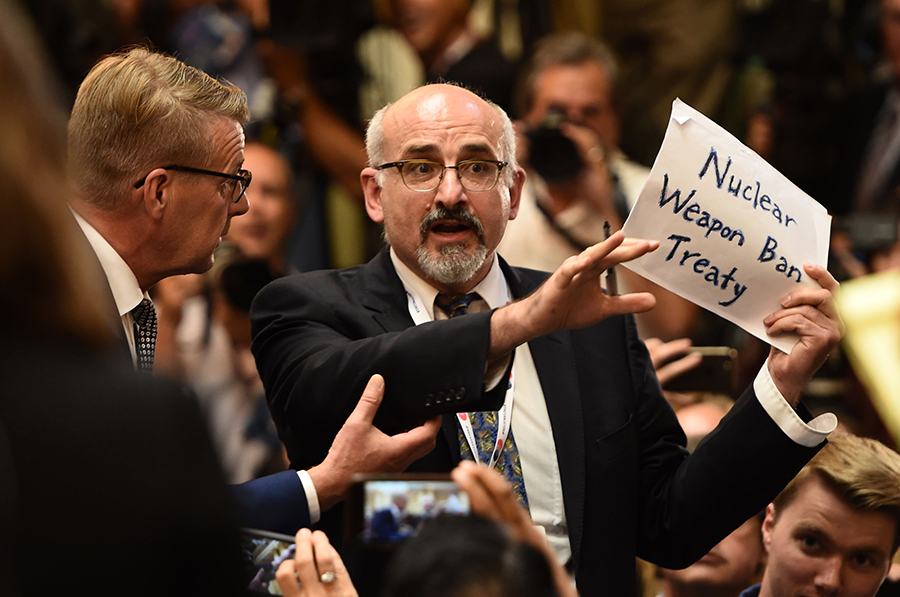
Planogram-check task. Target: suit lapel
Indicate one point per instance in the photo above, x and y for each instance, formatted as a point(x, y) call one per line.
point(384, 295)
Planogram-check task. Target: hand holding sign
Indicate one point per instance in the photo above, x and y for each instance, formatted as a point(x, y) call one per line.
point(733, 231)
point(811, 313)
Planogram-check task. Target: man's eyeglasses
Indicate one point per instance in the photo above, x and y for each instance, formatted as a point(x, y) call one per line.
point(426, 175)
point(238, 188)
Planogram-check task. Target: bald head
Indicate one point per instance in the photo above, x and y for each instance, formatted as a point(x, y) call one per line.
point(434, 104)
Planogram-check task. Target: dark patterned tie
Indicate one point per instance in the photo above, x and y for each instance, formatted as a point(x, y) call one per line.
point(144, 316)
point(484, 424)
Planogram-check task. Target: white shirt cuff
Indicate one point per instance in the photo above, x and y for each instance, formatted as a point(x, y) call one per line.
point(806, 434)
point(312, 498)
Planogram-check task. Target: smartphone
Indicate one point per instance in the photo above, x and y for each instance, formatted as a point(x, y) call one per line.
point(262, 553)
point(715, 373)
point(385, 510)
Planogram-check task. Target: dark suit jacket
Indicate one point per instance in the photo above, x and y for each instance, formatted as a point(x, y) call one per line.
point(629, 486)
point(112, 478)
point(854, 125)
point(275, 503)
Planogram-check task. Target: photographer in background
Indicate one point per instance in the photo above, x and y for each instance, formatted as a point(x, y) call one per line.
point(578, 178)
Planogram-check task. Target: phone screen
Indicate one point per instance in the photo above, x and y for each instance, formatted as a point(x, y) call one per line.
point(263, 552)
point(388, 511)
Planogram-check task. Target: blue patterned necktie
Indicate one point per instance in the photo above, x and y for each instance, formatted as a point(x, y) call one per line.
point(144, 316)
point(484, 424)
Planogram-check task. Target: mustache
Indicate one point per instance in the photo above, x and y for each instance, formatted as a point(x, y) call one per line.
point(460, 215)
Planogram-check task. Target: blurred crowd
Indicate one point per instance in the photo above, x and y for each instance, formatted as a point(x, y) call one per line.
point(812, 86)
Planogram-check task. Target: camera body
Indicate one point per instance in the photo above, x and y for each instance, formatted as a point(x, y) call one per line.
point(551, 154)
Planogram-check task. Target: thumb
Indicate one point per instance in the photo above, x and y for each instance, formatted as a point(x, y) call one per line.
point(370, 400)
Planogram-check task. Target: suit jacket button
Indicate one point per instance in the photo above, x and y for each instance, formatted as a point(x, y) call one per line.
point(460, 394)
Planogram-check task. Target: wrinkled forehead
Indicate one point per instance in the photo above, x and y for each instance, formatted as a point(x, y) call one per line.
point(443, 119)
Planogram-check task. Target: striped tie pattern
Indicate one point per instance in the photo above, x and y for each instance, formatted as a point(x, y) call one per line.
point(484, 424)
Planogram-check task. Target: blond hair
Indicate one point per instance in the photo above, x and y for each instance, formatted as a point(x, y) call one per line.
point(863, 472)
point(138, 110)
point(47, 284)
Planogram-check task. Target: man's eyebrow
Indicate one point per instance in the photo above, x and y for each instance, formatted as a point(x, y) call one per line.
point(476, 148)
point(428, 148)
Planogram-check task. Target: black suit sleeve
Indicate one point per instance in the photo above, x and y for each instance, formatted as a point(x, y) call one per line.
point(317, 344)
point(690, 502)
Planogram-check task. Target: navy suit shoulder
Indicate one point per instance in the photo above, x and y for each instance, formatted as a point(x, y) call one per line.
point(112, 469)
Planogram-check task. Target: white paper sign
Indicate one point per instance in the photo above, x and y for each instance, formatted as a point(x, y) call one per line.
point(733, 231)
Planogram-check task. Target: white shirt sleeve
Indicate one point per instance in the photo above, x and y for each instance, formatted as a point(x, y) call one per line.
point(312, 498)
point(806, 434)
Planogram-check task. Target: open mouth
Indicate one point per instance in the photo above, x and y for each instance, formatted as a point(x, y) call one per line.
point(449, 227)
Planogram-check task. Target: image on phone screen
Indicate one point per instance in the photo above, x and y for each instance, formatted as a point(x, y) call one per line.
point(394, 510)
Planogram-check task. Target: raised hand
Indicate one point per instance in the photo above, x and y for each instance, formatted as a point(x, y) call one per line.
point(811, 313)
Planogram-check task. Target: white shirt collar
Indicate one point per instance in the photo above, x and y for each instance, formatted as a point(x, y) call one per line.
point(122, 282)
point(492, 288)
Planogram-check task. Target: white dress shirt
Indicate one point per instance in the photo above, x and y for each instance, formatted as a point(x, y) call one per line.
point(122, 282)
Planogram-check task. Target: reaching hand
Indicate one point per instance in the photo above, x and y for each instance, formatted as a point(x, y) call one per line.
point(491, 496)
point(811, 313)
point(316, 569)
point(662, 353)
point(572, 298)
point(360, 447)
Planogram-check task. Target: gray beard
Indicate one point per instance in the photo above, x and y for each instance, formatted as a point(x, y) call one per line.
point(453, 264)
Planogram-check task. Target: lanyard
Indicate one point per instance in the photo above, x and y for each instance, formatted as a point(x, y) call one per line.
point(504, 415)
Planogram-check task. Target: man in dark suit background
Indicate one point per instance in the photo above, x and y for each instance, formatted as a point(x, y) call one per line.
point(868, 132)
point(156, 150)
point(593, 448)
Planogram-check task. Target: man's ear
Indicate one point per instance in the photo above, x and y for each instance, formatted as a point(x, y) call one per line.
point(372, 193)
point(156, 192)
point(767, 526)
point(515, 193)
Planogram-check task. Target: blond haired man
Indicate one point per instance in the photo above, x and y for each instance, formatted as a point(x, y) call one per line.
point(834, 529)
point(156, 154)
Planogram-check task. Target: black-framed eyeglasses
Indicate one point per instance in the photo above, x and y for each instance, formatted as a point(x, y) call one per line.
point(242, 178)
point(426, 175)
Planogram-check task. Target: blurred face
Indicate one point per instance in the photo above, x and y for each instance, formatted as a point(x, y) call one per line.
point(818, 545)
point(203, 205)
point(728, 568)
point(447, 235)
point(890, 33)
point(429, 26)
point(583, 93)
point(263, 231)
